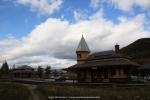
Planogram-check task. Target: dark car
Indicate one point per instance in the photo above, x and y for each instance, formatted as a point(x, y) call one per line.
point(60, 78)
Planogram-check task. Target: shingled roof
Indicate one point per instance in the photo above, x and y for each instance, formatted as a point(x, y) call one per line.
point(23, 67)
point(105, 63)
point(83, 45)
point(103, 53)
point(106, 54)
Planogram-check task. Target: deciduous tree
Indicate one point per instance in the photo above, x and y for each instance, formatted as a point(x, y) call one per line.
point(40, 71)
point(47, 71)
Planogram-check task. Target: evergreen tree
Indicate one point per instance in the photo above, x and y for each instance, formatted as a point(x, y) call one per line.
point(4, 70)
point(40, 71)
point(47, 71)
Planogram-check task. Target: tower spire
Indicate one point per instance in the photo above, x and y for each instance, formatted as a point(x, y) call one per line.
point(82, 51)
point(83, 45)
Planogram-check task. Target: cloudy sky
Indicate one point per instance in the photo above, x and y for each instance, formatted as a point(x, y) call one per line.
point(47, 32)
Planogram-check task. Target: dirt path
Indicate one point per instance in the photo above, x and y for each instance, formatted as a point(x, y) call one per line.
point(35, 94)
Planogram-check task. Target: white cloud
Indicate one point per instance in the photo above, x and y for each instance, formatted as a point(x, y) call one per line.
point(59, 38)
point(98, 15)
point(127, 5)
point(80, 15)
point(42, 6)
point(77, 15)
point(43, 61)
point(95, 4)
point(124, 5)
point(143, 3)
point(8, 43)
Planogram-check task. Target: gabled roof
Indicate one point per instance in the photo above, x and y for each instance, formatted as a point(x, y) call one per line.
point(83, 45)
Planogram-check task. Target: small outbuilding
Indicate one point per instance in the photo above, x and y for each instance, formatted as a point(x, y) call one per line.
point(23, 71)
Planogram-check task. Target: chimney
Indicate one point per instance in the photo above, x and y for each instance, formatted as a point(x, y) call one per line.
point(117, 50)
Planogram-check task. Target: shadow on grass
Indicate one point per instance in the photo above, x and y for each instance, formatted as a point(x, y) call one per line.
point(13, 91)
point(134, 93)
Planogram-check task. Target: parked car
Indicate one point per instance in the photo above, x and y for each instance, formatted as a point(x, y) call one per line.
point(137, 79)
point(147, 78)
point(59, 78)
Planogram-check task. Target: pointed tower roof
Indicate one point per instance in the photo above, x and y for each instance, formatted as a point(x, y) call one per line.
point(83, 45)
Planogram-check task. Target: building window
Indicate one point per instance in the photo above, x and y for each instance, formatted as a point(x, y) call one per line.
point(126, 71)
point(119, 71)
point(113, 71)
point(79, 56)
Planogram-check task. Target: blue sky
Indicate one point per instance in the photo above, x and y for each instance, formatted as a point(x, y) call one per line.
point(61, 22)
point(19, 20)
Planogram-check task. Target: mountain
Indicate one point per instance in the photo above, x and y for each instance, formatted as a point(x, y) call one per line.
point(139, 50)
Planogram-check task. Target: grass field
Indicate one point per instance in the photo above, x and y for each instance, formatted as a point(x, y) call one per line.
point(12, 91)
point(104, 93)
